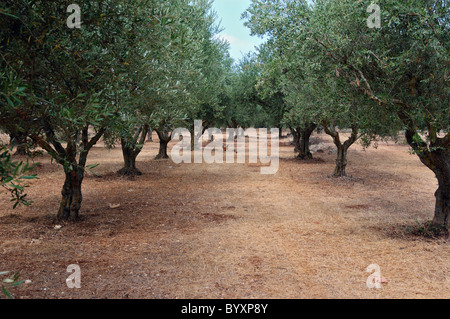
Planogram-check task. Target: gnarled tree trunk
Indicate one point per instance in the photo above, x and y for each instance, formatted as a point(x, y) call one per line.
point(342, 148)
point(341, 161)
point(129, 158)
point(436, 157)
point(131, 150)
point(164, 139)
point(71, 195)
point(304, 141)
point(442, 209)
point(70, 205)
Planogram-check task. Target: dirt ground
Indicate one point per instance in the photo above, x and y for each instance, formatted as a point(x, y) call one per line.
point(225, 231)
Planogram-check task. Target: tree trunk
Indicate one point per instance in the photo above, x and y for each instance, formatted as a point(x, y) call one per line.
point(131, 149)
point(164, 139)
point(71, 196)
point(304, 143)
point(436, 157)
point(341, 162)
point(296, 142)
point(129, 158)
point(342, 148)
point(304, 151)
point(301, 140)
point(162, 150)
point(70, 205)
point(442, 210)
point(440, 159)
point(439, 162)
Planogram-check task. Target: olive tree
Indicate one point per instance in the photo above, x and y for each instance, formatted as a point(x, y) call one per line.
point(69, 101)
point(403, 67)
point(400, 69)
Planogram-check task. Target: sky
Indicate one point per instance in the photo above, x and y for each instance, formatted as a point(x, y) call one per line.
point(229, 13)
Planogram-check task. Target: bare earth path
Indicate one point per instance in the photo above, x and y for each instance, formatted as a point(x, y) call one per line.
point(226, 231)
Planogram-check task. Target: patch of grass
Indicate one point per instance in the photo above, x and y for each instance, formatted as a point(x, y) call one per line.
point(10, 282)
point(428, 230)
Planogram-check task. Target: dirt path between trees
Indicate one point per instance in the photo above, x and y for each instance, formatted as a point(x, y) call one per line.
point(226, 231)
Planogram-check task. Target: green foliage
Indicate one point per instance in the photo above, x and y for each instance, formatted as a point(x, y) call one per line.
point(131, 65)
point(68, 76)
point(8, 283)
point(247, 104)
point(428, 230)
point(179, 75)
point(339, 69)
point(13, 176)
